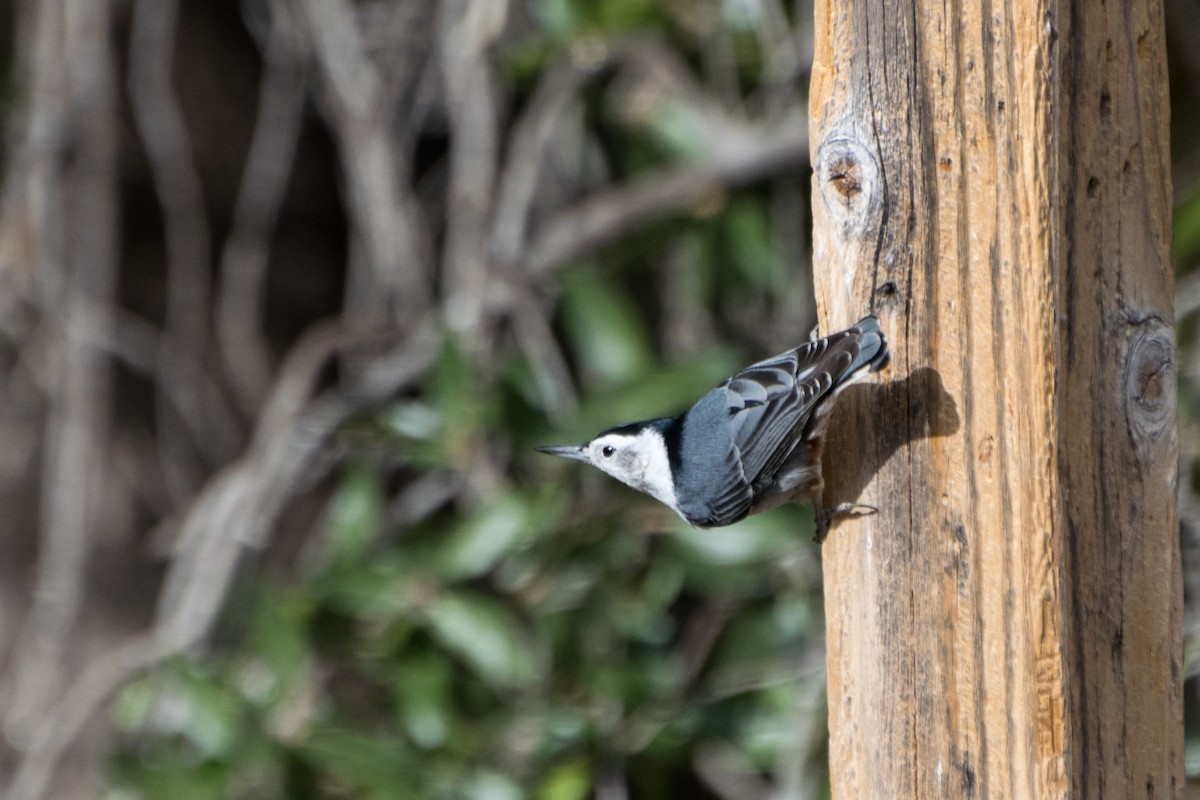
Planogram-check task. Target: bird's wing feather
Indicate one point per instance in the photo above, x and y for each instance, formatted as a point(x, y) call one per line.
point(772, 401)
point(735, 501)
point(757, 417)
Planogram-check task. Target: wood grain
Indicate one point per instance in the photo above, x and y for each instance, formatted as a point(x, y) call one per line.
point(991, 179)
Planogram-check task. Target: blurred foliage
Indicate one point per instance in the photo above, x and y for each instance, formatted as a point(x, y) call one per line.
point(1186, 230)
point(515, 648)
point(534, 641)
point(511, 651)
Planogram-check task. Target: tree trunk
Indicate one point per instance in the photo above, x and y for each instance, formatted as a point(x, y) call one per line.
point(992, 180)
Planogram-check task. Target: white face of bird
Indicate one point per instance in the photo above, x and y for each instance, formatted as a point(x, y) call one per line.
point(636, 459)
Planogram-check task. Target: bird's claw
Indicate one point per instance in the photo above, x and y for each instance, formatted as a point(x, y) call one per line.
point(826, 516)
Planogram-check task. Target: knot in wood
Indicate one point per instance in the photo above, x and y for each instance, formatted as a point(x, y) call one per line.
point(1150, 386)
point(848, 178)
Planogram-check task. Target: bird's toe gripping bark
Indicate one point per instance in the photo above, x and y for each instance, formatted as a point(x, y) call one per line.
point(826, 516)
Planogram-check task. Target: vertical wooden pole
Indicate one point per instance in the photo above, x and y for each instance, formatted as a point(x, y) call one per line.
point(992, 180)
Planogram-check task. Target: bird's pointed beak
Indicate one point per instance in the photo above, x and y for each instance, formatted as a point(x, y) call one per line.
point(574, 451)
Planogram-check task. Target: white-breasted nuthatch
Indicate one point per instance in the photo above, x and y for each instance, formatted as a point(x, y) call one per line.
point(750, 444)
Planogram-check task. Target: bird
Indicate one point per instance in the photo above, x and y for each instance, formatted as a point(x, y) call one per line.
point(752, 443)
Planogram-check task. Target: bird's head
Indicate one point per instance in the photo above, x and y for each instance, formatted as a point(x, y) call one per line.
point(635, 454)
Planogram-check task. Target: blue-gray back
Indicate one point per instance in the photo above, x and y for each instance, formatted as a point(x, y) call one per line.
point(710, 484)
point(732, 443)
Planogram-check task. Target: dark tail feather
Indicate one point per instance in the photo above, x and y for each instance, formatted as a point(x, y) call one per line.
point(872, 346)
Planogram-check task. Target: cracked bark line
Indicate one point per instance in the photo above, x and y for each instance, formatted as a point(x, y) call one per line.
point(992, 181)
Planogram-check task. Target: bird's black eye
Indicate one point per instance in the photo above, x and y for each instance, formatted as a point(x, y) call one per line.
point(607, 450)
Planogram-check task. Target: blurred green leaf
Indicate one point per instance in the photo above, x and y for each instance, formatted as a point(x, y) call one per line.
point(487, 635)
point(749, 638)
point(639, 620)
point(415, 429)
point(134, 704)
point(490, 785)
point(571, 781)
point(170, 775)
point(422, 687)
point(752, 245)
point(663, 582)
point(558, 17)
point(1187, 226)
point(359, 760)
point(765, 734)
point(1191, 758)
point(382, 589)
point(207, 713)
point(606, 331)
point(454, 381)
point(743, 16)
point(413, 420)
point(754, 539)
point(465, 409)
point(565, 588)
point(678, 130)
point(476, 543)
point(282, 648)
point(354, 514)
point(522, 61)
point(794, 615)
point(621, 15)
point(563, 727)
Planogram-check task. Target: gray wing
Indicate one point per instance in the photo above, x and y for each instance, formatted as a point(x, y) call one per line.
point(711, 487)
point(776, 403)
point(755, 419)
point(770, 404)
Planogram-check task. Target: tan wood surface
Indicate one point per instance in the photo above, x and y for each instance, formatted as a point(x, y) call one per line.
point(992, 180)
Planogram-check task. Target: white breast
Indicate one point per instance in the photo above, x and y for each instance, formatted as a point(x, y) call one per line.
point(656, 470)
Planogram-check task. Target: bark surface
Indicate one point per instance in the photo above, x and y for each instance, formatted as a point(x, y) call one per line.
point(992, 180)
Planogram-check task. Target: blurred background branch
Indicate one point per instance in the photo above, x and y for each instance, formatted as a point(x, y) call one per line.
point(289, 289)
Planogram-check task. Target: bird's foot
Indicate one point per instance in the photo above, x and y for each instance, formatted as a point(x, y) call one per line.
point(826, 516)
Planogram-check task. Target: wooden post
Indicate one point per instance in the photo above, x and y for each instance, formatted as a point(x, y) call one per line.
point(992, 180)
